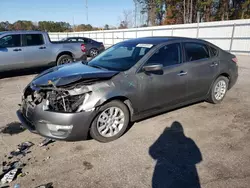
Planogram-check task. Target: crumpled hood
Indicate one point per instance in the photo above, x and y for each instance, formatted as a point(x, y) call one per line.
point(69, 73)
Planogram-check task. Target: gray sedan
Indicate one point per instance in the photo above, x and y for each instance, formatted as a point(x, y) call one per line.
point(129, 81)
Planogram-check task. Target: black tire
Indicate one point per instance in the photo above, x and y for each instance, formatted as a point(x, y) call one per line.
point(211, 97)
point(93, 52)
point(94, 133)
point(63, 58)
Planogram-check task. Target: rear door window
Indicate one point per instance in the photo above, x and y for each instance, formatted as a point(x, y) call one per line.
point(9, 41)
point(196, 51)
point(72, 40)
point(83, 40)
point(214, 51)
point(33, 39)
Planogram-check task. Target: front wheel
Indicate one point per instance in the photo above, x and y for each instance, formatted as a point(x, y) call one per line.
point(218, 90)
point(111, 122)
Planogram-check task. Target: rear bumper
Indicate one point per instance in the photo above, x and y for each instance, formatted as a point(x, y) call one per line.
point(101, 49)
point(233, 78)
point(56, 125)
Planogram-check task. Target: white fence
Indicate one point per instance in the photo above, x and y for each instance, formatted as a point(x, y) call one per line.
point(233, 36)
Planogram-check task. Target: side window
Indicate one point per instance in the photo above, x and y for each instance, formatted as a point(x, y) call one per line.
point(167, 55)
point(81, 40)
point(33, 40)
point(89, 41)
point(10, 41)
point(72, 40)
point(196, 51)
point(84, 40)
point(214, 51)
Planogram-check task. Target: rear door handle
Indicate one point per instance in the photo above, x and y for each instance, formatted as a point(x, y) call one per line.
point(17, 49)
point(214, 64)
point(182, 73)
point(42, 47)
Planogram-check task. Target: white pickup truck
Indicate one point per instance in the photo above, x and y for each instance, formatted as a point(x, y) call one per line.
point(26, 49)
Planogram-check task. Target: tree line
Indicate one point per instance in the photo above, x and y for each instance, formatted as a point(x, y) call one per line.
point(164, 12)
point(48, 26)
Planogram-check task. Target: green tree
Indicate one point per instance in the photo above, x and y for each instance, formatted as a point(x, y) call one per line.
point(106, 27)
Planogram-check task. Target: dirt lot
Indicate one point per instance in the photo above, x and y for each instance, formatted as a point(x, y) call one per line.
point(216, 138)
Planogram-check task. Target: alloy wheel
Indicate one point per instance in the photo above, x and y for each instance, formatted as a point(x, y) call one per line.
point(110, 122)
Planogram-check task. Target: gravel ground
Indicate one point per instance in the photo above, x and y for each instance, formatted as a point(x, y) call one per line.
point(211, 151)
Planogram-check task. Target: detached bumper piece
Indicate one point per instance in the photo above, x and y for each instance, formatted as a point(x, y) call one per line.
point(56, 125)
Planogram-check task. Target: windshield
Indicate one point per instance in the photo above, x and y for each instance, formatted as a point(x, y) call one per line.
point(121, 56)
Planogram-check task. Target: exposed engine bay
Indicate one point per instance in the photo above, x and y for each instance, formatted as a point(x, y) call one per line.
point(68, 98)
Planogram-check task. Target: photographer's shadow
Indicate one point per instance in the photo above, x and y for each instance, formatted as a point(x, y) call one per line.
point(176, 157)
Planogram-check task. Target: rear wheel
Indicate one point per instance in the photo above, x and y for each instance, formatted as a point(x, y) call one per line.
point(218, 90)
point(93, 52)
point(64, 59)
point(111, 122)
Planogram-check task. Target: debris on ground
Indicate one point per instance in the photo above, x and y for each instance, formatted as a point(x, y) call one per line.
point(48, 185)
point(17, 186)
point(13, 169)
point(4, 186)
point(22, 149)
point(10, 176)
point(47, 158)
point(12, 165)
point(46, 142)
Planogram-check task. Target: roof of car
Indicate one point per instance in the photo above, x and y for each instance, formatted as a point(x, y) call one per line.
point(157, 40)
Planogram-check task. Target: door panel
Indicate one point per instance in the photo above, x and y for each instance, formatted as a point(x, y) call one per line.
point(165, 88)
point(11, 54)
point(36, 52)
point(201, 71)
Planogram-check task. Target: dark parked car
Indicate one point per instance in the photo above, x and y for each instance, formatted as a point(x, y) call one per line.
point(93, 47)
point(129, 81)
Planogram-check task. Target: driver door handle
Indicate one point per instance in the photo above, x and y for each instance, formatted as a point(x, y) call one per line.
point(42, 47)
point(182, 73)
point(214, 64)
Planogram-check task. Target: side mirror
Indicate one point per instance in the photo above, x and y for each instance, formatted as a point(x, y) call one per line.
point(153, 68)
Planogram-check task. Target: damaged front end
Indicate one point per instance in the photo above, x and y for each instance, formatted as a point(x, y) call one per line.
point(58, 99)
point(64, 112)
point(61, 102)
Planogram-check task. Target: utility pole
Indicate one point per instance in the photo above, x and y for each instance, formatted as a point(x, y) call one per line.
point(135, 12)
point(87, 17)
point(73, 23)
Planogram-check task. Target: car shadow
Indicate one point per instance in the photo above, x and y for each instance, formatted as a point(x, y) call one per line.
point(176, 157)
point(12, 128)
point(22, 72)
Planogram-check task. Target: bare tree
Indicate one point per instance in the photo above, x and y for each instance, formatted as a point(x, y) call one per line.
point(184, 14)
point(126, 20)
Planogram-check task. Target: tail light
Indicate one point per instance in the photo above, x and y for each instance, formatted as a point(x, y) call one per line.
point(83, 48)
point(235, 59)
